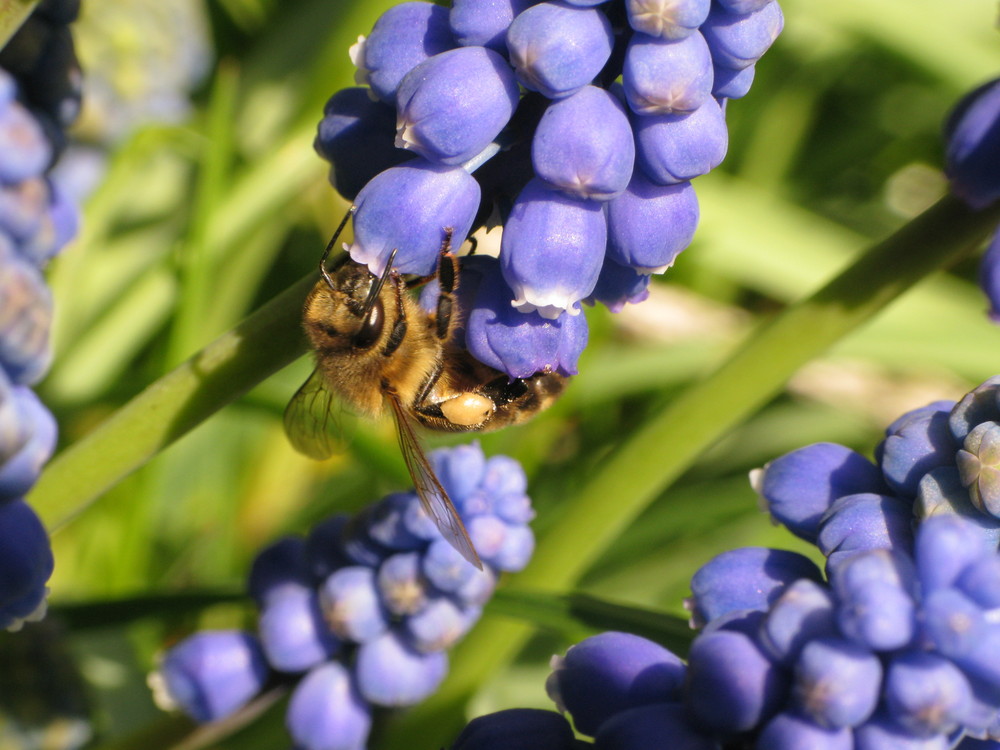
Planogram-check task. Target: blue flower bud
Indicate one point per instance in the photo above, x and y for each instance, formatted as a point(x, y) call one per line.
point(864, 521)
point(326, 712)
point(211, 674)
point(58, 225)
point(400, 584)
point(945, 546)
point(837, 683)
point(609, 673)
point(445, 567)
point(392, 673)
point(407, 208)
point(15, 430)
point(789, 731)
point(940, 492)
point(972, 134)
point(882, 732)
point(980, 581)
point(618, 286)
point(24, 150)
point(351, 605)
point(387, 524)
point(926, 693)
point(292, 631)
point(742, 6)
point(515, 550)
point(646, 728)
point(978, 462)
point(439, 625)
point(357, 545)
point(357, 136)
point(25, 319)
point(25, 565)
point(519, 344)
point(506, 483)
point(552, 249)
point(585, 162)
point(484, 23)
point(958, 628)
point(732, 686)
point(915, 447)
point(478, 589)
point(667, 19)
point(402, 38)
point(989, 276)
point(876, 608)
point(805, 611)
point(19, 470)
point(276, 566)
point(981, 404)
point(664, 77)
point(23, 208)
point(800, 486)
point(487, 534)
point(460, 471)
point(452, 105)
point(675, 148)
point(649, 225)
point(745, 578)
point(324, 546)
point(556, 48)
point(730, 83)
point(516, 729)
point(738, 40)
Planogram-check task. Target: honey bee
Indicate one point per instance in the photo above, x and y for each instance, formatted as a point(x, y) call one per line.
point(375, 346)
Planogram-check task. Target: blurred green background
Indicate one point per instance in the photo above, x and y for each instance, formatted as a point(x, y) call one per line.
point(207, 200)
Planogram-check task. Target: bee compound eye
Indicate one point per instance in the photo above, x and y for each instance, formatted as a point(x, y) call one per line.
point(468, 409)
point(371, 326)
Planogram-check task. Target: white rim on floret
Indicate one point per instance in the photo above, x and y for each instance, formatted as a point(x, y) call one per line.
point(549, 305)
point(357, 54)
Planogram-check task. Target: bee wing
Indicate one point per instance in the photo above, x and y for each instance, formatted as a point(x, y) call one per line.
point(433, 496)
point(313, 419)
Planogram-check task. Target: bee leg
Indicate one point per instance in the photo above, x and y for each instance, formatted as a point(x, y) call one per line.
point(398, 332)
point(448, 282)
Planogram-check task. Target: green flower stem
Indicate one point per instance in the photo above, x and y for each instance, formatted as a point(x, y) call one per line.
point(644, 465)
point(262, 344)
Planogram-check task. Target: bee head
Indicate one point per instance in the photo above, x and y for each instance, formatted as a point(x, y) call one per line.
point(345, 310)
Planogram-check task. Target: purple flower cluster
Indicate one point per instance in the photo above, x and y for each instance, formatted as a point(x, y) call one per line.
point(39, 97)
point(897, 646)
point(507, 112)
point(362, 611)
point(972, 163)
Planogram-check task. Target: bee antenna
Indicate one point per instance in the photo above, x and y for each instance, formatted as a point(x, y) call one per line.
point(329, 247)
point(377, 287)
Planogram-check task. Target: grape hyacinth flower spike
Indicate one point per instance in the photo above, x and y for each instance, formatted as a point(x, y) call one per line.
point(588, 179)
point(361, 612)
point(36, 221)
point(972, 164)
point(838, 663)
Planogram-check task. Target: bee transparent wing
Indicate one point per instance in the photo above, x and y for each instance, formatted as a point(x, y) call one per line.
point(313, 419)
point(433, 496)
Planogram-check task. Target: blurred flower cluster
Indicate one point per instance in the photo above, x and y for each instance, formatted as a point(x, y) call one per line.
point(895, 646)
point(511, 113)
point(39, 98)
point(142, 59)
point(972, 163)
point(362, 611)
